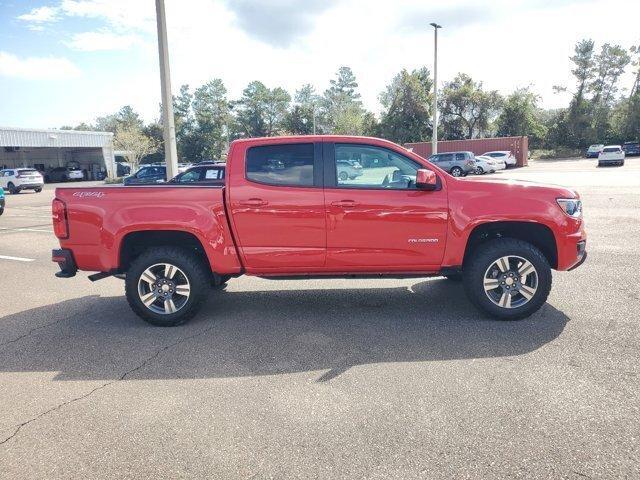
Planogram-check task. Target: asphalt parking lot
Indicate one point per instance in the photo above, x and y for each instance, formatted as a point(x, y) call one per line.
point(327, 378)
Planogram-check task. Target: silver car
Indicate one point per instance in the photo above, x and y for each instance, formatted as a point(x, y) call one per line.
point(349, 169)
point(458, 164)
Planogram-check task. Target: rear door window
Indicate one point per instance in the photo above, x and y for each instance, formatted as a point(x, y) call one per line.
point(287, 165)
point(214, 174)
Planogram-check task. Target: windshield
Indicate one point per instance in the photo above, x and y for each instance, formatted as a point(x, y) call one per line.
point(27, 171)
point(611, 149)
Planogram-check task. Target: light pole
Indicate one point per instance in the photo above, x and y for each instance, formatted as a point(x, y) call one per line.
point(170, 150)
point(434, 135)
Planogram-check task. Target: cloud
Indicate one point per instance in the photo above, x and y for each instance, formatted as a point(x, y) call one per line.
point(119, 14)
point(102, 41)
point(37, 68)
point(41, 15)
point(278, 22)
point(457, 16)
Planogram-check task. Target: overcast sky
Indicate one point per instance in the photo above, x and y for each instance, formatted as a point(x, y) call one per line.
point(68, 61)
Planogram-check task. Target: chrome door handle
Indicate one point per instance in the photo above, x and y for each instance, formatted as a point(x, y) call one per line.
point(344, 203)
point(253, 202)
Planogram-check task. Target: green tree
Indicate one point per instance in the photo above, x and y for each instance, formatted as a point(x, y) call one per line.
point(125, 117)
point(207, 138)
point(579, 115)
point(261, 112)
point(520, 116)
point(406, 103)
point(342, 110)
point(134, 143)
point(626, 116)
point(610, 64)
point(466, 108)
point(185, 125)
point(303, 117)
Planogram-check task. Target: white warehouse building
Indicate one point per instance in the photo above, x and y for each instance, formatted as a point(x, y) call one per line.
point(44, 150)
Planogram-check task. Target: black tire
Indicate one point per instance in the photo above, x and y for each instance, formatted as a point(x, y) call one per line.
point(486, 255)
point(189, 264)
point(1, 210)
point(220, 281)
point(37, 190)
point(479, 171)
point(343, 176)
point(12, 189)
point(457, 172)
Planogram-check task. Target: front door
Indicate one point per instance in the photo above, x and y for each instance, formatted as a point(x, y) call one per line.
point(277, 207)
point(377, 220)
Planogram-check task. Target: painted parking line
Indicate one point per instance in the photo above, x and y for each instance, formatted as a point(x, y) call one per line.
point(17, 259)
point(42, 230)
point(11, 214)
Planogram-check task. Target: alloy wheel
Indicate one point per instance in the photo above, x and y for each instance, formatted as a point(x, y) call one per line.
point(163, 288)
point(511, 281)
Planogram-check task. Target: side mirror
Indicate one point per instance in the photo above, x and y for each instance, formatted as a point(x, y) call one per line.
point(426, 179)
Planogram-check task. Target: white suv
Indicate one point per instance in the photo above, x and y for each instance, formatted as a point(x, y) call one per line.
point(611, 155)
point(505, 155)
point(17, 179)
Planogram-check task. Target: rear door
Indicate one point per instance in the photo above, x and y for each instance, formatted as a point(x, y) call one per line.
point(277, 206)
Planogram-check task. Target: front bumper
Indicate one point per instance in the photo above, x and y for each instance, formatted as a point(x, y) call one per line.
point(64, 258)
point(581, 249)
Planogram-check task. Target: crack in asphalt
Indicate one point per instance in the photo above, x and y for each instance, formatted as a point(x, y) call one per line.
point(104, 385)
point(35, 329)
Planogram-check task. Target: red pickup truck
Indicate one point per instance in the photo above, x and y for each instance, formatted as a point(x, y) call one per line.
point(321, 206)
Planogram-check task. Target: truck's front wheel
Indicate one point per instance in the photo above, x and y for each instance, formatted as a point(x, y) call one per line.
point(507, 278)
point(166, 286)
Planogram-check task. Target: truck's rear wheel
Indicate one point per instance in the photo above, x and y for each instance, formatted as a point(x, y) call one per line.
point(166, 286)
point(508, 279)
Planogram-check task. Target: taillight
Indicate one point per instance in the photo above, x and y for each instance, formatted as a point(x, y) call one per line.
point(59, 215)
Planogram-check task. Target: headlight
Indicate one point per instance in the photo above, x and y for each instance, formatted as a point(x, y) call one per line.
point(571, 206)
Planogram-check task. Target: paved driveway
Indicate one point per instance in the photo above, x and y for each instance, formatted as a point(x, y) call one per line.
point(326, 378)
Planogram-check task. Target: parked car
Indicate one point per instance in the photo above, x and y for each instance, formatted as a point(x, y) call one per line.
point(150, 174)
point(17, 179)
point(611, 155)
point(458, 164)
point(496, 163)
point(172, 242)
point(122, 169)
point(505, 155)
point(631, 148)
point(147, 175)
point(64, 174)
point(212, 174)
point(594, 150)
point(210, 162)
point(484, 165)
point(348, 169)
point(1, 200)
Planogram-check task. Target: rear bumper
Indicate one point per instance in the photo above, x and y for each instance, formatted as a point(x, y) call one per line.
point(617, 161)
point(29, 186)
point(64, 258)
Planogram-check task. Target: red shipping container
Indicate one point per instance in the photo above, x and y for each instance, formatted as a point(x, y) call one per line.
point(519, 146)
